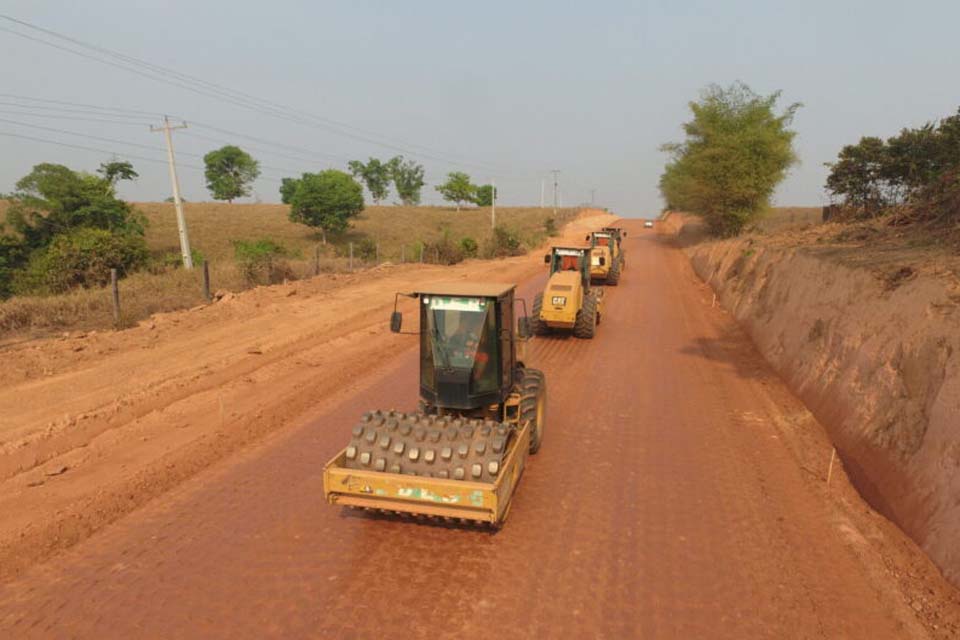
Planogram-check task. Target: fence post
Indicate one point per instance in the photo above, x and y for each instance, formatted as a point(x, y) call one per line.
point(436, 255)
point(115, 287)
point(403, 253)
point(206, 281)
point(422, 247)
point(351, 256)
point(378, 253)
point(316, 260)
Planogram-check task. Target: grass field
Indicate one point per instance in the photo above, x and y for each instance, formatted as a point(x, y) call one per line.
point(214, 227)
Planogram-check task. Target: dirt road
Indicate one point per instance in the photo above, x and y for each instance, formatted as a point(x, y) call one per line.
point(679, 493)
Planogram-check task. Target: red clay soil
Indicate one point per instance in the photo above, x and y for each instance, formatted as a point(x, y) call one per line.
point(94, 425)
point(680, 493)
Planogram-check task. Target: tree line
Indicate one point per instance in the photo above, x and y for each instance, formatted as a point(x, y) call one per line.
point(66, 228)
point(916, 172)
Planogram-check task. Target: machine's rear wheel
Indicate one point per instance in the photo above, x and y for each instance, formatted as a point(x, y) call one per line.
point(537, 325)
point(613, 276)
point(533, 404)
point(586, 323)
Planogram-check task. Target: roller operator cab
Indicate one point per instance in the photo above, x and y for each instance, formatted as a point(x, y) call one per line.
point(607, 256)
point(481, 412)
point(569, 301)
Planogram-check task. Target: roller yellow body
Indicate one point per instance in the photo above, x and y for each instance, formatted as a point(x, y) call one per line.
point(568, 302)
point(482, 412)
point(562, 299)
point(607, 259)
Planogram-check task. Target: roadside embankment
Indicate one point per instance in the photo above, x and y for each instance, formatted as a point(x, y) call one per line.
point(876, 357)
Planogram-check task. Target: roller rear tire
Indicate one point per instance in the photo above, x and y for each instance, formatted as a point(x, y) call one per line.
point(586, 323)
point(537, 325)
point(533, 405)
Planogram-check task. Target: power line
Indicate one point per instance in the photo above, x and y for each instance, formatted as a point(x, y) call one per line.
point(57, 116)
point(140, 122)
point(136, 112)
point(93, 110)
point(83, 135)
point(86, 148)
point(123, 142)
point(237, 98)
point(279, 145)
point(111, 152)
point(260, 150)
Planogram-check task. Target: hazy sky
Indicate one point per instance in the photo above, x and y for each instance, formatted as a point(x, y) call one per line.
point(501, 90)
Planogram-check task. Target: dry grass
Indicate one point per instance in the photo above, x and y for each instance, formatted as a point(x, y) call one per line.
point(783, 218)
point(213, 228)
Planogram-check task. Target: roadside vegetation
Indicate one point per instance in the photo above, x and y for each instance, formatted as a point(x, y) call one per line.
point(913, 177)
point(65, 229)
point(64, 232)
point(736, 151)
point(252, 244)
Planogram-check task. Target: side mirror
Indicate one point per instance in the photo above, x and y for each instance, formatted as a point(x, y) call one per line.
point(546, 259)
point(624, 234)
point(587, 238)
point(523, 327)
point(603, 261)
point(396, 320)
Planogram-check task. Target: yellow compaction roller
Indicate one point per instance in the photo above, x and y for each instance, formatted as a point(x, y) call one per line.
point(481, 413)
point(608, 259)
point(568, 301)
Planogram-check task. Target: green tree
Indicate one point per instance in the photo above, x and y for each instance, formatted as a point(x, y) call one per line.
point(407, 178)
point(65, 223)
point(326, 200)
point(484, 196)
point(374, 174)
point(458, 188)
point(737, 150)
point(117, 170)
point(914, 168)
point(860, 175)
point(230, 172)
point(53, 199)
point(288, 186)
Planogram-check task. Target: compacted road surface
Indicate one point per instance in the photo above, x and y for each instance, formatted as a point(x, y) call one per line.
point(664, 503)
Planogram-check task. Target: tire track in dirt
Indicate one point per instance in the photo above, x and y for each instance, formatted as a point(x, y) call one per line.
point(153, 406)
point(663, 504)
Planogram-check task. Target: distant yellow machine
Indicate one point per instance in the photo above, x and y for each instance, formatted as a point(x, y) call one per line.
point(482, 411)
point(568, 301)
point(607, 259)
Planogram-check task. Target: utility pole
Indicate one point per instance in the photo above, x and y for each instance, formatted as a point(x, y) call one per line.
point(177, 202)
point(593, 192)
point(493, 207)
point(542, 181)
point(556, 185)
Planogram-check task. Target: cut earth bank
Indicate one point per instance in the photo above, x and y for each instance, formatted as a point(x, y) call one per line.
point(873, 351)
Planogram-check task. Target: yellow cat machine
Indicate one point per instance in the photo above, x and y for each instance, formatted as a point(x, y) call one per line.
point(461, 453)
point(568, 302)
point(607, 259)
